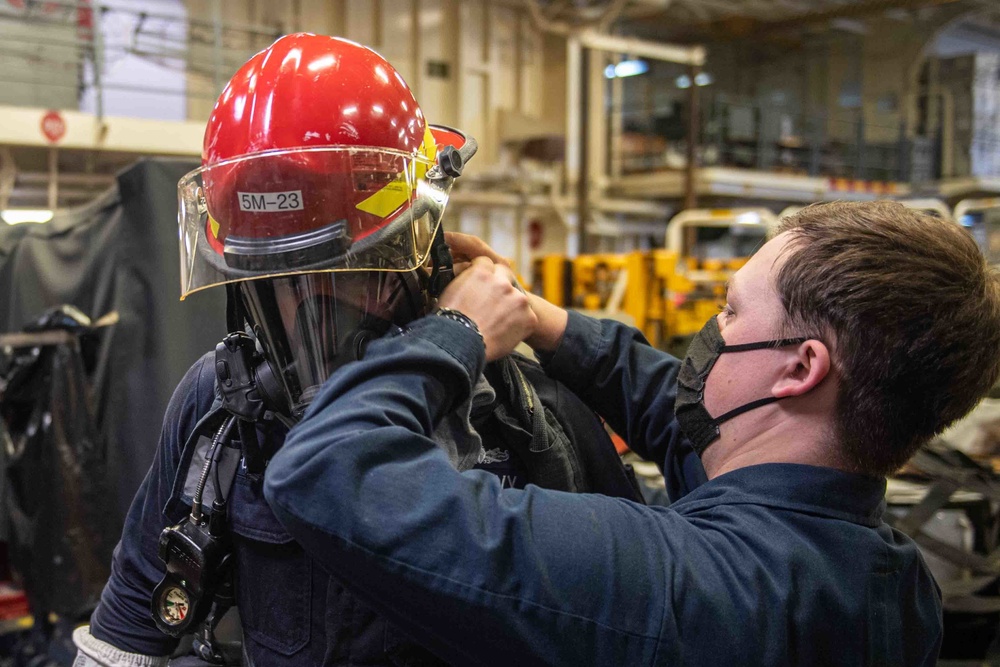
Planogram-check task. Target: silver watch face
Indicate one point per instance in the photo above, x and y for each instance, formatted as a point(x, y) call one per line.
point(174, 606)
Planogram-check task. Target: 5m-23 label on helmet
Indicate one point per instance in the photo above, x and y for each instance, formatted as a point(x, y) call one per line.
point(270, 202)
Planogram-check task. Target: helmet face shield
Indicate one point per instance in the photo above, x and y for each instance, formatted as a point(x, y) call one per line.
point(310, 324)
point(320, 198)
point(284, 212)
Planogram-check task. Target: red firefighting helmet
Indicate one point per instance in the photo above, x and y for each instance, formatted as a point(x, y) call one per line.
point(321, 190)
point(316, 157)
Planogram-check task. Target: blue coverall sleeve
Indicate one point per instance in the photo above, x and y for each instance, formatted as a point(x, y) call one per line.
point(482, 575)
point(123, 617)
point(632, 385)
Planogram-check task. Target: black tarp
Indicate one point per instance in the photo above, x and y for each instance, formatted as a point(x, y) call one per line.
point(120, 253)
point(55, 492)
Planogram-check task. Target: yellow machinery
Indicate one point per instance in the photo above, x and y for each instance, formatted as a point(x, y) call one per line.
point(586, 283)
point(594, 279)
point(692, 290)
point(668, 293)
point(704, 247)
point(552, 279)
point(602, 282)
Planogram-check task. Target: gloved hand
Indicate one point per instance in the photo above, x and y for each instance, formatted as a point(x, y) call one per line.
point(92, 652)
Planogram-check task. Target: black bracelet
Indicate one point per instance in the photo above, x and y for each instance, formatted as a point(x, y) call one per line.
point(460, 317)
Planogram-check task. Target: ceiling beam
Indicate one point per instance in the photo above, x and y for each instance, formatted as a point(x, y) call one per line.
point(733, 24)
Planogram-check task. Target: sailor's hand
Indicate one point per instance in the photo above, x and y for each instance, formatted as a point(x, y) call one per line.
point(488, 294)
point(465, 248)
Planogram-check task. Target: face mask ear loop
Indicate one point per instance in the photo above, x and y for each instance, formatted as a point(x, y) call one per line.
point(772, 344)
point(763, 345)
point(736, 412)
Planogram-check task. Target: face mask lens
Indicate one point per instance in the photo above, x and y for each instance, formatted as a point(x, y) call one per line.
point(311, 324)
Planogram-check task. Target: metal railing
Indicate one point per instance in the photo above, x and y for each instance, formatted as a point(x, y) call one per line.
point(64, 54)
point(754, 136)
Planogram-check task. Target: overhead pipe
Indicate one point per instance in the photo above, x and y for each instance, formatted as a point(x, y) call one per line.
point(53, 189)
point(582, 138)
point(97, 58)
point(76, 5)
point(40, 178)
point(577, 80)
point(641, 48)
point(731, 25)
point(600, 225)
point(43, 195)
point(8, 176)
point(574, 112)
point(217, 80)
point(691, 145)
point(638, 208)
point(611, 15)
point(552, 27)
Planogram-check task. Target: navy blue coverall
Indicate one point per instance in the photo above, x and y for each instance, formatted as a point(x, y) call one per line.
point(775, 564)
point(293, 612)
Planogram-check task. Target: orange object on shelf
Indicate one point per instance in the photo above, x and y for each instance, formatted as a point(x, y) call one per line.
point(13, 602)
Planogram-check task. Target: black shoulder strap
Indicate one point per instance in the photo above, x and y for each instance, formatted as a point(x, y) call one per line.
point(537, 440)
point(577, 453)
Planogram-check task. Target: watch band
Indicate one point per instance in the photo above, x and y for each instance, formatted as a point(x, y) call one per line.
point(460, 317)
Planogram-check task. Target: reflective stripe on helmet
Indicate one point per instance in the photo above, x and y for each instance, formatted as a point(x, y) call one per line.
point(398, 192)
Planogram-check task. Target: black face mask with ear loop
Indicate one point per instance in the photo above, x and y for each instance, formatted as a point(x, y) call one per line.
point(700, 427)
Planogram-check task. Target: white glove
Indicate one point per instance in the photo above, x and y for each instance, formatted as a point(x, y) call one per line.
point(92, 652)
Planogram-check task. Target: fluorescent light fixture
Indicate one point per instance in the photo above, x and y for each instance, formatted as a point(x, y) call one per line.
point(626, 68)
point(15, 216)
point(631, 68)
point(749, 218)
point(683, 81)
point(703, 79)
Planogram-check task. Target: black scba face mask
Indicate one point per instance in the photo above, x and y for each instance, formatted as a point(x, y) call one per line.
point(700, 427)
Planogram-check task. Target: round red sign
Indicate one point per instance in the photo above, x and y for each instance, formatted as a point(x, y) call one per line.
point(535, 231)
point(53, 126)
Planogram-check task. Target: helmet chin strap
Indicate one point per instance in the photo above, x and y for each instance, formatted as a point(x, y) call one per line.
point(234, 309)
point(451, 162)
point(442, 269)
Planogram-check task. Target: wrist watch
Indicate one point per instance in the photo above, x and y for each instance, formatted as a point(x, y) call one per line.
point(460, 317)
